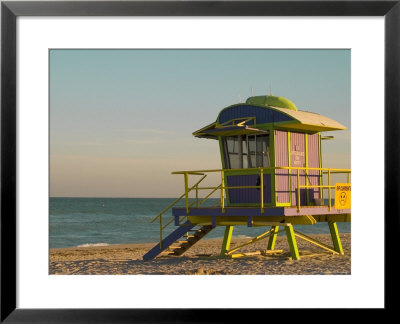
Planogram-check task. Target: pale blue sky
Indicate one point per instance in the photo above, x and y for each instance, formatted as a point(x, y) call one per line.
point(121, 120)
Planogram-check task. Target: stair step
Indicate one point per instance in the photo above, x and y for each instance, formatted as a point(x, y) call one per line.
point(167, 253)
point(184, 237)
point(169, 239)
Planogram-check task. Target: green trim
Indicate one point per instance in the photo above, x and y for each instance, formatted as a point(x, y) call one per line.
point(221, 150)
point(294, 251)
point(227, 240)
point(305, 171)
point(272, 145)
point(321, 192)
point(335, 237)
point(228, 199)
point(272, 238)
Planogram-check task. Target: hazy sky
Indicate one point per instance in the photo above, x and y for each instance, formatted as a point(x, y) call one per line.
point(122, 120)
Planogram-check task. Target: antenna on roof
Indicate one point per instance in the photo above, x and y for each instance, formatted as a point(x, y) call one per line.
point(240, 98)
point(270, 90)
point(251, 90)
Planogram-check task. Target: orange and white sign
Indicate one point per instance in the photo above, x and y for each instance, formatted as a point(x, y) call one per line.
point(343, 196)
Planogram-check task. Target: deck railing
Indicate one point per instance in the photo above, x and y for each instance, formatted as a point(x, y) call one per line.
point(260, 172)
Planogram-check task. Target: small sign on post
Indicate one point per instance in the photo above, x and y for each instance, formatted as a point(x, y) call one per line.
point(343, 196)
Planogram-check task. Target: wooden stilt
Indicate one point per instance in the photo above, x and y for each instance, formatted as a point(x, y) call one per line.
point(227, 240)
point(292, 242)
point(337, 244)
point(272, 238)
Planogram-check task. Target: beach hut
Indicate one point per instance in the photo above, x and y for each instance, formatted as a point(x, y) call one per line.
point(271, 176)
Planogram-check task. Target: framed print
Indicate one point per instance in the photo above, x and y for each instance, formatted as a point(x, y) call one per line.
point(103, 52)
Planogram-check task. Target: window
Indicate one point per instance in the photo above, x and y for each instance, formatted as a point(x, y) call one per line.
point(247, 151)
point(232, 144)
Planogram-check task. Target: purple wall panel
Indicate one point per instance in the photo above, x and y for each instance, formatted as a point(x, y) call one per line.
point(249, 195)
point(263, 115)
point(313, 162)
point(298, 159)
point(282, 159)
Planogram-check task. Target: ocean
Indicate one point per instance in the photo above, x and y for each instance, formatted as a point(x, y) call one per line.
point(104, 221)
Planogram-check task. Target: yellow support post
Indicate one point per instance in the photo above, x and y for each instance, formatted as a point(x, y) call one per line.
point(298, 190)
point(186, 192)
point(321, 190)
point(335, 237)
point(262, 189)
point(227, 240)
point(294, 251)
point(329, 189)
point(272, 238)
point(222, 191)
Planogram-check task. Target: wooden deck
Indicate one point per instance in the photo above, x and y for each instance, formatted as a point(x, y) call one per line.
point(256, 211)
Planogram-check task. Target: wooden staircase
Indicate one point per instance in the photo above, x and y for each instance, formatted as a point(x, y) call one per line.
point(179, 241)
point(190, 238)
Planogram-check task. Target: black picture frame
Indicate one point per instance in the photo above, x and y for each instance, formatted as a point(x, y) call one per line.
point(10, 10)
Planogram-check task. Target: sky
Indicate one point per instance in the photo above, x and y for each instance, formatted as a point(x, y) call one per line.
point(122, 120)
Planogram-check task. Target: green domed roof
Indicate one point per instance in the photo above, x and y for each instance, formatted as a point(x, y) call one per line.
point(271, 101)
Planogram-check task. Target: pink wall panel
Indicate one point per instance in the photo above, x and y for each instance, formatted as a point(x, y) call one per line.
point(282, 159)
point(313, 162)
point(298, 159)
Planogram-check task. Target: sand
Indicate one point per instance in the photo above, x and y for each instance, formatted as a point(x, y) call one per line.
point(202, 259)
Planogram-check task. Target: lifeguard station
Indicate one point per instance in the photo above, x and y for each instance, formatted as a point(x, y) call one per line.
point(271, 176)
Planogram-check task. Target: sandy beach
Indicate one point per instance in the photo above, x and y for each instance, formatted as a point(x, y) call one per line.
point(202, 259)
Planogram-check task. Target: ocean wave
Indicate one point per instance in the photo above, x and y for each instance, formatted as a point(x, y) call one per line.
point(93, 244)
